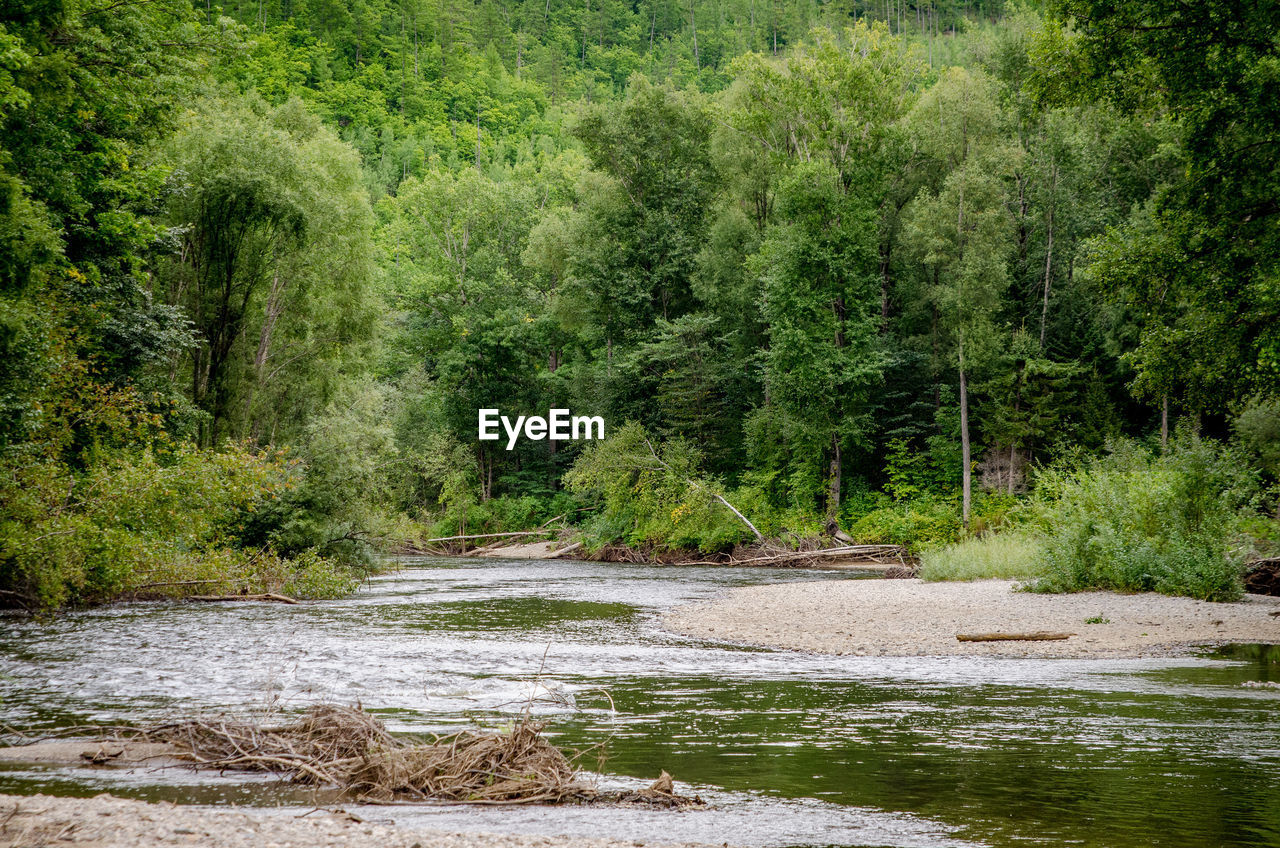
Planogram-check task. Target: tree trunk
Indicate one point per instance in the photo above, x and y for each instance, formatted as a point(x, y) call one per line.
point(1164, 425)
point(1013, 438)
point(1022, 223)
point(833, 480)
point(693, 24)
point(967, 474)
point(1048, 257)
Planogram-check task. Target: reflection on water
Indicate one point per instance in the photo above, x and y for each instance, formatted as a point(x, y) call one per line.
point(790, 749)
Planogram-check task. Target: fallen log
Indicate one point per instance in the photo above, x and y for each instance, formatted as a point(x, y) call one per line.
point(566, 550)
point(1038, 636)
point(267, 596)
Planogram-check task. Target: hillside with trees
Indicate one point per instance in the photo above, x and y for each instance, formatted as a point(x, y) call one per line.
point(924, 274)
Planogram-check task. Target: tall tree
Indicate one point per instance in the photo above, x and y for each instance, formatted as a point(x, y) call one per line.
point(1216, 66)
point(824, 125)
point(962, 233)
point(271, 226)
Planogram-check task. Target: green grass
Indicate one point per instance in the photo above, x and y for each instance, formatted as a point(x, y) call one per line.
point(1005, 556)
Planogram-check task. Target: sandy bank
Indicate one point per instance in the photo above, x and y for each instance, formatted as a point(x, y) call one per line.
point(69, 752)
point(911, 617)
point(107, 822)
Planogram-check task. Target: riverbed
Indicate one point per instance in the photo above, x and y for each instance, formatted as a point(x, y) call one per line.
point(917, 618)
point(789, 749)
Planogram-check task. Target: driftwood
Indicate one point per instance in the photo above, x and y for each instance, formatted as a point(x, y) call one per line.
point(1038, 636)
point(567, 549)
point(267, 596)
point(833, 530)
point(347, 748)
point(869, 552)
point(447, 541)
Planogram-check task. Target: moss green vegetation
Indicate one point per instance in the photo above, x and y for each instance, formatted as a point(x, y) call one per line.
point(1012, 555)
point(849, 264)
point(1139, 522)
point(1132, 520)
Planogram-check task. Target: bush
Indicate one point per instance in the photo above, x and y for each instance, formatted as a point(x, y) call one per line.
point(912, 524)
point(339, 501)
point(1135, 522)
point(1003, 556)
point(157, 522)
point(652, 495)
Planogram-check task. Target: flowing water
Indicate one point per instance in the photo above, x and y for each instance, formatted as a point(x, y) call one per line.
point(789, 749)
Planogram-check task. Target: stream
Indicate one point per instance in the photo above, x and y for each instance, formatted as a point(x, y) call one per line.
point(788, 749)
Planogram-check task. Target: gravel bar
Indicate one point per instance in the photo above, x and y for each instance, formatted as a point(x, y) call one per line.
point(914, 618)
point(108, 822)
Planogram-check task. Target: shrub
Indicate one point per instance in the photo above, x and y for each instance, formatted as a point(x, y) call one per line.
point(912, 524)
point(161, 522)
point(652, 495)
point(1136, 522)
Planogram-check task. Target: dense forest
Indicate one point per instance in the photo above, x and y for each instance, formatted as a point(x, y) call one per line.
point(901, 272)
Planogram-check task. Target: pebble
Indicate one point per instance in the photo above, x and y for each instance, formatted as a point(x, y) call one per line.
point(914, 618)
point(109, 822)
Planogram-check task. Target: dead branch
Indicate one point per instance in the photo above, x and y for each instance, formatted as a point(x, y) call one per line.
point(759, 536)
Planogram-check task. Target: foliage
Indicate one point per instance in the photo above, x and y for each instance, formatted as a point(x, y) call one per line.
point(826, 269)
point(1257, 428)
point(652, 495)
point(911, 524)
point(163, 522)
point(1138, 522)
point(271, 235)
point(347, 448)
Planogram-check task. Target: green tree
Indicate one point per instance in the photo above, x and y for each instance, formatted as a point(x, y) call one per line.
point(823, 129)
point(272, 233)
point(961, 235)
point(1216, 65)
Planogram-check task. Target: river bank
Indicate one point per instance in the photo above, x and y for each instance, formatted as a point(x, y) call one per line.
point(106, 821)
point(813, 552)
point(914, 618)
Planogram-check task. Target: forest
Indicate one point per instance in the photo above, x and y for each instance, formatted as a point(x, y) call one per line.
point(998, 282)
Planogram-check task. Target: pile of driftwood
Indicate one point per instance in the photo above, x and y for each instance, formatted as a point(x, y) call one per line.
point(794, 553)
point(474, 543)
point(787, 554)
point(807, 553)
point(348, 748)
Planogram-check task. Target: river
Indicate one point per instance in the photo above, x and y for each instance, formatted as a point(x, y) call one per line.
point(788, 749)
